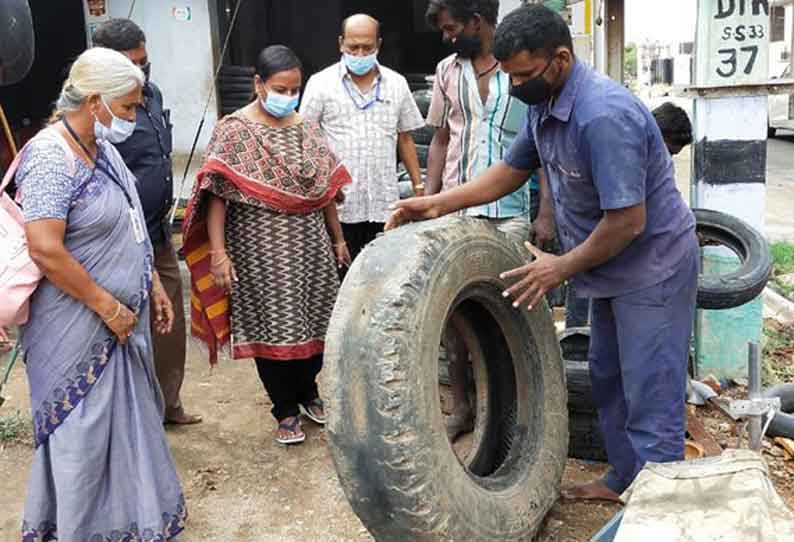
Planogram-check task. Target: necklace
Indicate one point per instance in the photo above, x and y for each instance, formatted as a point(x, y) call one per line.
point(489, 70)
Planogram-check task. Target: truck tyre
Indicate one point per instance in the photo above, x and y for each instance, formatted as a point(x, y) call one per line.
point(746, 283)
point(386, 430)
point(782, 425)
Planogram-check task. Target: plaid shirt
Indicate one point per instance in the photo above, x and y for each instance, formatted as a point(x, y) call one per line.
point(479, 135)
point(362, 130)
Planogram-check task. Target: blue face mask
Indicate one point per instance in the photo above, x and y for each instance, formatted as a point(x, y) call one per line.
point(120, 130)
point(360, 65)
point(279, 105)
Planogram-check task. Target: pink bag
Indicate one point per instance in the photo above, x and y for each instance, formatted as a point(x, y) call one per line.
point(19, 276)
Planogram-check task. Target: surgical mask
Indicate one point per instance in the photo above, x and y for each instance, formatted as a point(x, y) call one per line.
point(361, 65)
point(534, 91)
point(279, 105)
point(120, 130)
point(466, 46)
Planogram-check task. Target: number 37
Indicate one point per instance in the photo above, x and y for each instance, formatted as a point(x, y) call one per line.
point(730, 60)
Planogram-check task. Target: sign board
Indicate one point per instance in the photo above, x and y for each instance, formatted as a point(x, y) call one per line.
point(96, 12)
point(732, 42)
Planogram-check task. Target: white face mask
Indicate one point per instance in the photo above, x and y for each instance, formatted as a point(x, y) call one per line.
point(120, 130)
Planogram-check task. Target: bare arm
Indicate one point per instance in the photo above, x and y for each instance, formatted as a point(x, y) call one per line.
point(407, 149)
point(495, 182)
point(436, 159)
point(45, 244)
point(334, 228)
point(221, 266)
point(614, 232)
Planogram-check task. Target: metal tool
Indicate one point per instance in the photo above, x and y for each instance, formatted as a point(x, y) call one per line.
point(755, 406)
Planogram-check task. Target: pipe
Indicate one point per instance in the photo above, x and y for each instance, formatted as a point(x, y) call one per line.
point(754, 389)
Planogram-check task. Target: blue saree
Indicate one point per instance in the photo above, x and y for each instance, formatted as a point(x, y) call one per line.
point(102, 470)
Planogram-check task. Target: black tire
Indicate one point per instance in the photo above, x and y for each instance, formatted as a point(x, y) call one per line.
point(386, 430)
point(782, 425)
point(422, 98)
point(770, 132)
point(237, 71)
point(236, 87)
point(585, 441)
point(244, 96)
point(424, 135)
point(746, 283)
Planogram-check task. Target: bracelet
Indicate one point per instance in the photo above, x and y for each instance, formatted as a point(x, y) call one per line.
point(219, 251)
point(420, 186)
point(342, 244)
point(223, 260)
point(116, 315)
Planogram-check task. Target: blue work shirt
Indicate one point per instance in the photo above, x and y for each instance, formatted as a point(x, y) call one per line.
point(602, 150)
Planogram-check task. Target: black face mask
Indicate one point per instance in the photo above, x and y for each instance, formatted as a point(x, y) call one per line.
point(534, 91)
point(466, 46)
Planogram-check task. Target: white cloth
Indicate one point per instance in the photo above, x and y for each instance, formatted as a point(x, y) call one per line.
point(363, 138)
point(728, 498)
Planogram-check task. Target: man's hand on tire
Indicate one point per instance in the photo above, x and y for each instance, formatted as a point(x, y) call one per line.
point(414, 209)
point(545, 272)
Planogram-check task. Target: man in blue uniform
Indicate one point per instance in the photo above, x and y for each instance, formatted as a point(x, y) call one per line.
point(147, 154)
point(627, 236)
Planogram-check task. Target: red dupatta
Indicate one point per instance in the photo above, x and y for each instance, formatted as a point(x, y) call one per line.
point(240, 156)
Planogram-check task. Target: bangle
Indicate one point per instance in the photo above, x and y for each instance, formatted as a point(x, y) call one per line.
point(219, 251)
point(420, 186)
point(222, 260)
point(342, 244)
point(116, 315)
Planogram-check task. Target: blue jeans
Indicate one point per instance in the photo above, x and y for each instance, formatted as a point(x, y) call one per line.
point(639, 351)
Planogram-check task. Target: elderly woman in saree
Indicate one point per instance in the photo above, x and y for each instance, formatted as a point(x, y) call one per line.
point(261, 237)
point(102, 469)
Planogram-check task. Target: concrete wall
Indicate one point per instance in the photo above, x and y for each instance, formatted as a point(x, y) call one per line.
point(182, 54)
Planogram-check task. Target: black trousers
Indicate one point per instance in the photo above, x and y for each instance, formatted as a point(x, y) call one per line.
point(359, 235)
point(289, 383)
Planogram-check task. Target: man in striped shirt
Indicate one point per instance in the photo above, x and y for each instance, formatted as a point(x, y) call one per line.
point(476, 121)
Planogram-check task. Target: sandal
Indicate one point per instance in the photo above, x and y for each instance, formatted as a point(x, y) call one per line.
point(314, 410)
point(293, 426)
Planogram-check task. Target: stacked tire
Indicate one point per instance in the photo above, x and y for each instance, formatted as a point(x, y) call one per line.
point(235, 87)
point(423, 136)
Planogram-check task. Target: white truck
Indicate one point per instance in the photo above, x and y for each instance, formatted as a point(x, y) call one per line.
point(781, 108)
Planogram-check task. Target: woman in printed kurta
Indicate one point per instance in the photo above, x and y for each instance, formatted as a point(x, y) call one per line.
point(263, 242)
point(102, 469)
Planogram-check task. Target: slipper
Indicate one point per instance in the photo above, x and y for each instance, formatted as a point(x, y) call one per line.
point(184, 419)
point(458, 426)
point(307, 411)
point(293, 427)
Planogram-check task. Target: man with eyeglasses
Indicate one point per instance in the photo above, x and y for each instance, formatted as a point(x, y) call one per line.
point(367, 112)
point(147, 154)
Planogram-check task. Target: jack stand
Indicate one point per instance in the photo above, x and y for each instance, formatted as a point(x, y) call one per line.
point(755, 407)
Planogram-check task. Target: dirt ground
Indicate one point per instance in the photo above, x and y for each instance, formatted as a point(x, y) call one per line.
point(243, 487)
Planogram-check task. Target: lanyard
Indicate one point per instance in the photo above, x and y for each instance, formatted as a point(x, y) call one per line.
point(346, 84)
point(111, 172)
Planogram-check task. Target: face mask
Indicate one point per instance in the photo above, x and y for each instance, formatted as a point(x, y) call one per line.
point(120, 130)
point(147, 70)
point(534, 91)
point(466, 46)
point(361, 65)
point(279, 105)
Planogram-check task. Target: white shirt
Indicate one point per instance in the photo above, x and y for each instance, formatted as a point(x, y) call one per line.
point(362, 129)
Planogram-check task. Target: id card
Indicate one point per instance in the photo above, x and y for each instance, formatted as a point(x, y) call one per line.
point(138, 232)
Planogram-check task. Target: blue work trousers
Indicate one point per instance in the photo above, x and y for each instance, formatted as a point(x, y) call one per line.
point(639, 352)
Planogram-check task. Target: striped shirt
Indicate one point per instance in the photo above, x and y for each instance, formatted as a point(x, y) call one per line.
point(362, 129)
point(479, 135)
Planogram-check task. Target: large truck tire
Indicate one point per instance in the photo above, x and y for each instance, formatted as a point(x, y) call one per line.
point(386, 429)
point(748, 281)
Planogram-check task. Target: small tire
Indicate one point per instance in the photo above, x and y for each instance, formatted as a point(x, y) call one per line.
point(782, 425)
point(746, 283)
point(386, 431)
point(229, 70)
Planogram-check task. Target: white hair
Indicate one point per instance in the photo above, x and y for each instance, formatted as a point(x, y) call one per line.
point(97, 71)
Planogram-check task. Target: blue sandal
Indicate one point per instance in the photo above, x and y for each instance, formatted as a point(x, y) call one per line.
point(293, 427)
